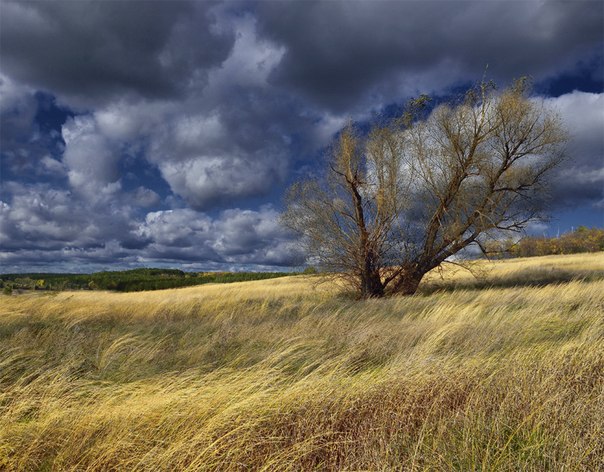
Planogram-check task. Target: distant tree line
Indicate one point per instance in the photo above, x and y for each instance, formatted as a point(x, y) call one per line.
point(582, 239)
point(126, 281)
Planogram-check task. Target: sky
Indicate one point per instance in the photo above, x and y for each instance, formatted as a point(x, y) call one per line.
point(165, 133)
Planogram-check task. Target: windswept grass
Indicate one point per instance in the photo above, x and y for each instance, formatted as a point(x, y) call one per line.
point(506, 373)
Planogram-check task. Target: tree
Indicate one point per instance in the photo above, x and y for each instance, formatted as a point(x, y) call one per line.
point(404, 198)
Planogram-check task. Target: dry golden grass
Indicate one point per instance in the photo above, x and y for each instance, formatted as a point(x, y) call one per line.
point(506, 373)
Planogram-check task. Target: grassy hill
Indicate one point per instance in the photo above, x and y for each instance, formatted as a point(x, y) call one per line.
point(503, 373)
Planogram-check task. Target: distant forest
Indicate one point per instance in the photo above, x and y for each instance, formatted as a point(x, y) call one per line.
point(126, 281)
point(582, 239)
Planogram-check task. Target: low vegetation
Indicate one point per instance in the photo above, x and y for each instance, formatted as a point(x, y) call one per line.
point(582, 239)
point(134, 280)
point(504, 373)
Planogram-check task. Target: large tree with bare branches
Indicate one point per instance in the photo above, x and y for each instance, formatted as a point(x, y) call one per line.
point(404, 198)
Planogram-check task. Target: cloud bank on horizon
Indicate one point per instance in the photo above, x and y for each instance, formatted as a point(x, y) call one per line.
point(165, 133)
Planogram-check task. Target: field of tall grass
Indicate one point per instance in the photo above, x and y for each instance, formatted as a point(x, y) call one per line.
point(501, 373)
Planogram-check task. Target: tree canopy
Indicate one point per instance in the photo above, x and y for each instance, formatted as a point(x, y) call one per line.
point(408, 195)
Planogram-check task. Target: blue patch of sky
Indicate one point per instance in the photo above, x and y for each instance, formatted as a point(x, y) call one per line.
point(50, 116)
point(586, 76)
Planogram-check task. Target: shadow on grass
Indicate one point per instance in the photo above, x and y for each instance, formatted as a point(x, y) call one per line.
point(527, 278)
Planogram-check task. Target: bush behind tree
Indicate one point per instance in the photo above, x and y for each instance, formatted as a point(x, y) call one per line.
point(582, 239)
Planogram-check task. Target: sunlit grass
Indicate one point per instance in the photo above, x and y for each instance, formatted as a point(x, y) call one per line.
point(503, 373)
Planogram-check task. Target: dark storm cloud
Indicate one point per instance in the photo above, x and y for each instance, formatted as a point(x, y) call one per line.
point(580, 178)
point(229, 140)
point(41, 217)
point(40, 226)
point(235, 150)
point(17, 112)
point(90, 51)
point(235, 236)
point(342, 54)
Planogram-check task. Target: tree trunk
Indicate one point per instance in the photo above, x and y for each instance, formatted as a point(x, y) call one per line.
point(407, 283)
point(371, 281)
point(371, 285)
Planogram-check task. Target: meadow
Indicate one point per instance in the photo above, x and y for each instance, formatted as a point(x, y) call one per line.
point(500, 373)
